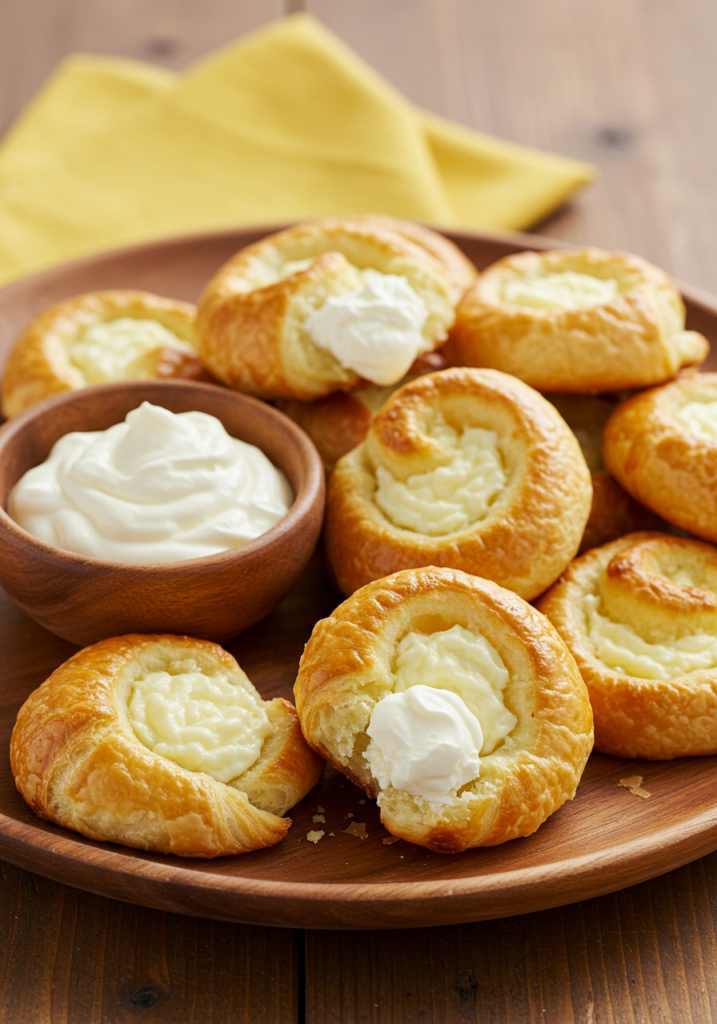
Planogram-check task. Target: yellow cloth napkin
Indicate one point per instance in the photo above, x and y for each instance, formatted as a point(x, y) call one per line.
point(287, 123)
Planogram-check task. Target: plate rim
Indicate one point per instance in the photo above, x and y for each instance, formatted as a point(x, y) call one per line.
point(341, 904)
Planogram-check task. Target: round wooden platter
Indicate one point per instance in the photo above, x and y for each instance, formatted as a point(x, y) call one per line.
point(607, 838)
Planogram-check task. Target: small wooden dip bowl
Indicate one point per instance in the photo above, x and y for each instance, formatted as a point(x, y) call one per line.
point(84, 599)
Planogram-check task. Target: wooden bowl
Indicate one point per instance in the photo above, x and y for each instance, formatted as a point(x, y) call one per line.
point(84, 599)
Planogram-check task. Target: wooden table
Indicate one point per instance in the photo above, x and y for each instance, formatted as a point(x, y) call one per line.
point(632, 86)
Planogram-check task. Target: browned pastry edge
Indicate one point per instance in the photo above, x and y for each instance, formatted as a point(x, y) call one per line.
point(249, 331)
point(662, 464)
point(533, 529)
point(38, 365)
point(635, 340)
point(347, 667)
point(637, 717)
point(78, 763)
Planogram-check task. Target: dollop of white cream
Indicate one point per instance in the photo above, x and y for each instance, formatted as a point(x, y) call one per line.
point(454, 495)
point(620, 647)
point(159, 487)
point(699, 418)
point(425, 742)
point(375, 330)
point(447, 710)
point(203, 723)
point(111, 350)
point(566, 290)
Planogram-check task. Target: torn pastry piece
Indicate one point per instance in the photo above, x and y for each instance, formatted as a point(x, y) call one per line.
point(613, 512)
point(98, 338)
point(576, 322)
point(464, 468)
point(163, 744)
point(323, 307)
point(640, 618)
point(338, 422)
point(661, 446)
point(452, 702)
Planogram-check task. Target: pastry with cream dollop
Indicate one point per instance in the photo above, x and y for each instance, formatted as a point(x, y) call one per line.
point(322, 307)
point(158, 487)
point(576, 322)
point(640, 618)
point(452, 702)
point(661, 446)
point(99, 338)
point(161, 743)
point(464, 468)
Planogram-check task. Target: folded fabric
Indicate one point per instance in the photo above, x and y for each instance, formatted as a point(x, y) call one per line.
point(288, 123)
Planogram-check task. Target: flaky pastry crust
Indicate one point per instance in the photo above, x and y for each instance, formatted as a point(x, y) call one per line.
point(660, 461)
point(77, 761)
point(39, 364)
point(641, 580)
point(250, 318)
point(632, 341)
point(460, 271)
point(533, 527)
point(347, 667)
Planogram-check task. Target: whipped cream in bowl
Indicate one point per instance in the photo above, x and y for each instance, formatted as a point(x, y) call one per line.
point(195, 516)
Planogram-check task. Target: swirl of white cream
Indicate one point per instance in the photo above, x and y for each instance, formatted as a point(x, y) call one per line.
point(159, 487)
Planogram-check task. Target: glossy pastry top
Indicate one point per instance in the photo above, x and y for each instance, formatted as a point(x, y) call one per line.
point(98, 338)
point(163, 744)
point(434, 691)
point(661, 445)
point(319, 307)
point(640, 617)
point(576, 322)
point(469, 468)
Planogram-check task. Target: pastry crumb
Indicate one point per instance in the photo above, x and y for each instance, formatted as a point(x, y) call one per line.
point(314, 836)
point(634, 784)
point(320, 810)
point(358, 829)
point(318, 818)
point(391, 839)
point(350, 814)
point(331, 833)
point(362, 801)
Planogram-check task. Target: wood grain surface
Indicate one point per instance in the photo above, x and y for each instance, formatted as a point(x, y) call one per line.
point(631, 86)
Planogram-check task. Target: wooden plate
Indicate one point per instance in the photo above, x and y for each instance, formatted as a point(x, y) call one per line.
point(604, 840)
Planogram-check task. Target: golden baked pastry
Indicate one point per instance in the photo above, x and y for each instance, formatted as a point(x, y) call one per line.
point(99, 748)
point(661, 445)
point(613, 512)
point(460, 271)
point(464, 468)
point(640, 618)
point(97, 338)
point(470, 653)
point(576, 322)
point(320, 307)
point(338, 422)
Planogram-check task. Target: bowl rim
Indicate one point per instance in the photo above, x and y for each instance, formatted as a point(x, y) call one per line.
point(304, 499)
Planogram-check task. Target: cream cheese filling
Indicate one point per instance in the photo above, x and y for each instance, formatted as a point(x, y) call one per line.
point(203, 723)
point(452, 496)
point(565, 290)
point(447, 710)
point(112, 350)
point(621, 648)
